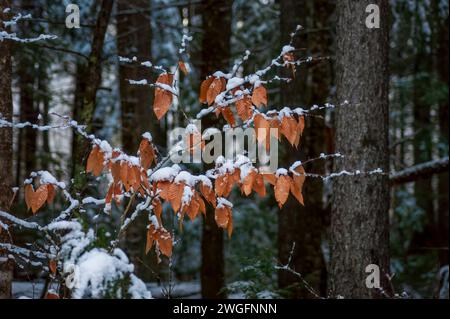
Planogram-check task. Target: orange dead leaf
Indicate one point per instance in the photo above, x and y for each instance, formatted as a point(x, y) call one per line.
point(204, 89)
point(258, 185)
point(146, 154)
point(248, 182)
point(275, 128)
point(161, 237)
point(281, 189)
point(262, 128)
point(116, 171)
point(35, 199)
point(51, 193)
point(52, 265)
point(109, 194)
point(289, 129)
point(297, 184)
point(214, 89)
point(164, 189)
point(208, 194)
point(259, 96)
point(157, 209)
point(50, 295)
point(28, 195)
point(299, 130)
point(244, 108)
point(224, 218)
point(183, 67)
point(175, 193)
point(163, 98)
point(39, 198)
point(270, 178)
point(95, 161)
point(165, 243)
point(124, 175)
point(228, 116)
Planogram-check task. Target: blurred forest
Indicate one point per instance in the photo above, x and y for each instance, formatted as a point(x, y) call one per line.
point(80, 74)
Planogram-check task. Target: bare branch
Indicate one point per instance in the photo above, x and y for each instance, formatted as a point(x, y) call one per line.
point(423, 170)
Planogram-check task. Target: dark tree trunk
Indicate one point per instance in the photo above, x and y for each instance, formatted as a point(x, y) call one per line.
point(216, 16)
point(304, 224)
point(88, 81)
point(359, 218)
point(28, 108)
point(6, 110)
point(44, 101)
point(443, 207)
point(134, 38)
point(422, 126)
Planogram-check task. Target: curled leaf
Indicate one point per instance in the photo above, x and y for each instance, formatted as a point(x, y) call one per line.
point(214, 89)
point(281, 189)
point(244, 108)
point(163, 98)
point(259, 97)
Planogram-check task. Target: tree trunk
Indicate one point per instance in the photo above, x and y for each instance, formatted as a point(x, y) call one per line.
point(443, 207)
point(134, 38)
point(28, 109)
point(216, 16)
point(359, 218)
point(44, 100)
point(90, 77)
point(6, 110)
point(304, 224)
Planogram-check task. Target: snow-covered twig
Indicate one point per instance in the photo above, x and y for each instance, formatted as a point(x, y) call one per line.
point(422, 170)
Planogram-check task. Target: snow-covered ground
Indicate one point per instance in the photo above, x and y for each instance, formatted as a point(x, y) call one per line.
point(187, 290)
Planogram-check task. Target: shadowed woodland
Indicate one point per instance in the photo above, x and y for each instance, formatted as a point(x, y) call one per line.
point(85, 178)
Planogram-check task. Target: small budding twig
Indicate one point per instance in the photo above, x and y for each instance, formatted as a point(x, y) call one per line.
point(299, 275)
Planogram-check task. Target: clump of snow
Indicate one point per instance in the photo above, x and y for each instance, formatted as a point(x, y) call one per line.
point(187, 195)
point(220, 74)
point(205, 180)
point(127, 60)
point(147, 136)
point(186, 178)
point(234, 83)
point(99, 271)
point(191, 129)
point(147, 64)
point(184, 41)
point(295, 165)
point(222, 202)
point(131, 160)
point(96, 273)
point(287, 49)
point(165, 173)
point(138, 82)
point(205, 112)
point(281, 171)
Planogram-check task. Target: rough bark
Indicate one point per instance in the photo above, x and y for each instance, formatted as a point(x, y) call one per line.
point(85, 99)
point(443, 189)
point(6, 109)
point(28, 109)
point(216, 17)
point(304, 224)
point(44, 100)
point(134, 38)
point(359, 218)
